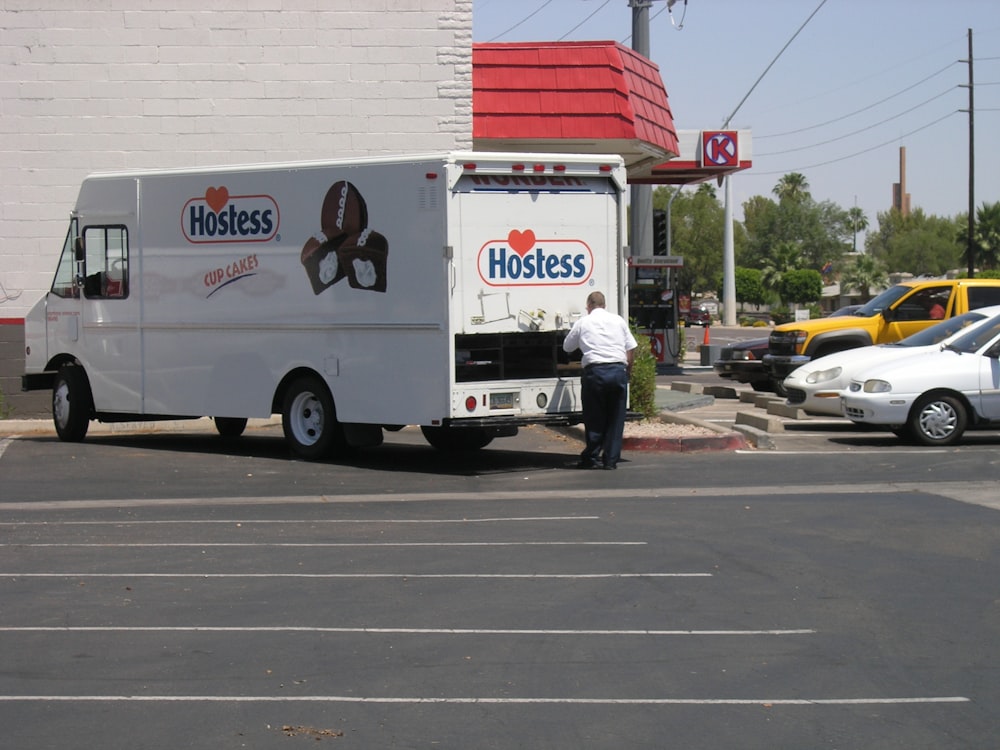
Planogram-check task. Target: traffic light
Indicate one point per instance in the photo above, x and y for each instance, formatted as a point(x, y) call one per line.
point(659, 231)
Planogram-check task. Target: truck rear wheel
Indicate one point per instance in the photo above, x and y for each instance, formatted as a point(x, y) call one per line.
point(309, 420)
point(72, 403)
point(457, 438)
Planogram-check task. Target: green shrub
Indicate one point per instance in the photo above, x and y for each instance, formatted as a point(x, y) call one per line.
point(642, 381)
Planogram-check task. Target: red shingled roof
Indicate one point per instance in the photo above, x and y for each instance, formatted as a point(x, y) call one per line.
point(573, 91)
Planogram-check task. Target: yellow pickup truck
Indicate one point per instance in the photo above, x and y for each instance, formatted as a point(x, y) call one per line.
point(896, 313)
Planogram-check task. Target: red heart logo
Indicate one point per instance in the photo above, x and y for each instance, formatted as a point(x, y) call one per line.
point(521, 242)
point(217, 198)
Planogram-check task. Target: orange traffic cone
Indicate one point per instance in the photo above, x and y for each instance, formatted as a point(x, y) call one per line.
point(706, 338)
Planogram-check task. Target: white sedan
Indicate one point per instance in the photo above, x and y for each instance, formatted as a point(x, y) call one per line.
point(933, 396)
point(817, 386)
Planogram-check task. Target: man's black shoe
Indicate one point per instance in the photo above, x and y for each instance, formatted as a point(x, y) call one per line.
point(609, 466)
point(587, 465)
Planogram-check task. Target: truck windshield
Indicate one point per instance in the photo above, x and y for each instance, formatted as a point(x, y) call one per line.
point(64, 283)
point(882, 302)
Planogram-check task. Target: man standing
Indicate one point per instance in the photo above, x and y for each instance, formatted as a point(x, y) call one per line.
point(608, 348)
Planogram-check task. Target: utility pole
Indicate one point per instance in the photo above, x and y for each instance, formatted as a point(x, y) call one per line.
point(641, 196)
point(970, 248)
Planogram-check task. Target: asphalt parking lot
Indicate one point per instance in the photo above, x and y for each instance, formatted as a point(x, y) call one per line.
point(174, 589)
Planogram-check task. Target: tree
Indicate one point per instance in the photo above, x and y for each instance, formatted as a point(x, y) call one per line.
point(792, 187)
point(919, 244)
point(784, 258)
point(818, 232)
point(696, 230)
point(802, 286)
point(749, 287)
point(863, 275)
point(859, 223)
point(986, 236)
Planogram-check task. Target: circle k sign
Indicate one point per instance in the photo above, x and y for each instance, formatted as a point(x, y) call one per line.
point(720, 148)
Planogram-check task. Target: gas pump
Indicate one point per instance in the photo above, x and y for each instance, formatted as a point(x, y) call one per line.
point(652, 303)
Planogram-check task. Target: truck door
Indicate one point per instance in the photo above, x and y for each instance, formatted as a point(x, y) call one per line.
point(110, 336)
point(917, 311)
point(532, 249)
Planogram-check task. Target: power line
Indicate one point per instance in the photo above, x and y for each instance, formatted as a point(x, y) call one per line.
point(528, 17)
point(584, 20)
point(857, 111)
point(857, 153)
point(861, 130)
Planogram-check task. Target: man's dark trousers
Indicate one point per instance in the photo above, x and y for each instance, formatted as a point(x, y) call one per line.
point(604, 389)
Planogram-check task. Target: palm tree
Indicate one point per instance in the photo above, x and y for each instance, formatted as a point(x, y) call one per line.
point(865, 274)
point(793, 187)
point(859, 223)
point(986, 236)
point(784, 256)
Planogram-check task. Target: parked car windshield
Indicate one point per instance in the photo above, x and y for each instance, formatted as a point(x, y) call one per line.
point(937, 333)
point(881, 302)
point(977, 337)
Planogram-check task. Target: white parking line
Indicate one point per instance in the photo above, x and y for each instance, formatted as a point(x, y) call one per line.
point(483, 700)
point(323, 544)
point(395, 631)
point(300, 521)
point(357, 575)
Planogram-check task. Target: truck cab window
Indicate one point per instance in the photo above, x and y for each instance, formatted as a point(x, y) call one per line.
point(106, 262)
point(64, 284)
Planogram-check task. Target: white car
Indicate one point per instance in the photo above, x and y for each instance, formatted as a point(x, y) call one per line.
point(933, 396)
point(816, 387)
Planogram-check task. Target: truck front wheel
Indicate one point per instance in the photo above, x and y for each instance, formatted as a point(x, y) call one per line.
point(309, 419)
point(71, 403)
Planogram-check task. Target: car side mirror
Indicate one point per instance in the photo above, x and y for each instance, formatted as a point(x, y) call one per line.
point(889, 314)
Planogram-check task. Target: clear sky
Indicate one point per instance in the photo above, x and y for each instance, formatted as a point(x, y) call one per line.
point(860, 80)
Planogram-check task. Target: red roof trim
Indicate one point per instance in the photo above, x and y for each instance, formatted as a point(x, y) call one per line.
point(572, 90)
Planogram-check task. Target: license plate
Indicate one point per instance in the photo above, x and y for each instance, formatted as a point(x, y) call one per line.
point(501, 400)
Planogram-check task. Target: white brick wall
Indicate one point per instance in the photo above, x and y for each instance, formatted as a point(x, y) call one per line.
point(98, 85)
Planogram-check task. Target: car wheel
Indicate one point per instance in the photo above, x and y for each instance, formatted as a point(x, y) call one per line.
point(72, 403)
point(309, 420)
point(453, 439)
point(937, 419)
point(230, 427)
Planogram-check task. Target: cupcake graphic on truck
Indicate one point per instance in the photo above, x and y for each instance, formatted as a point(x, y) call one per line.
point(346, 247)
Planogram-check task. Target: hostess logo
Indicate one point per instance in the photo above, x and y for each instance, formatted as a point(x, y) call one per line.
point(218, 216)
point(524, 260)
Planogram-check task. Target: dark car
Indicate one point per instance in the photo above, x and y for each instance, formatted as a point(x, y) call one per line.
point(698, 317)
point(741, 361)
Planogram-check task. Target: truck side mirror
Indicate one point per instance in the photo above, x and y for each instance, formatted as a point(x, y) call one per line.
point(79, 253)
point(889, 314)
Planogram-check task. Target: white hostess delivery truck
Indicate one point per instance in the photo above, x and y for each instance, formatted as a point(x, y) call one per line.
point(347, 296)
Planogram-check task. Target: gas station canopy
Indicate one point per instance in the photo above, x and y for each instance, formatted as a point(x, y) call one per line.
point(592, 97)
